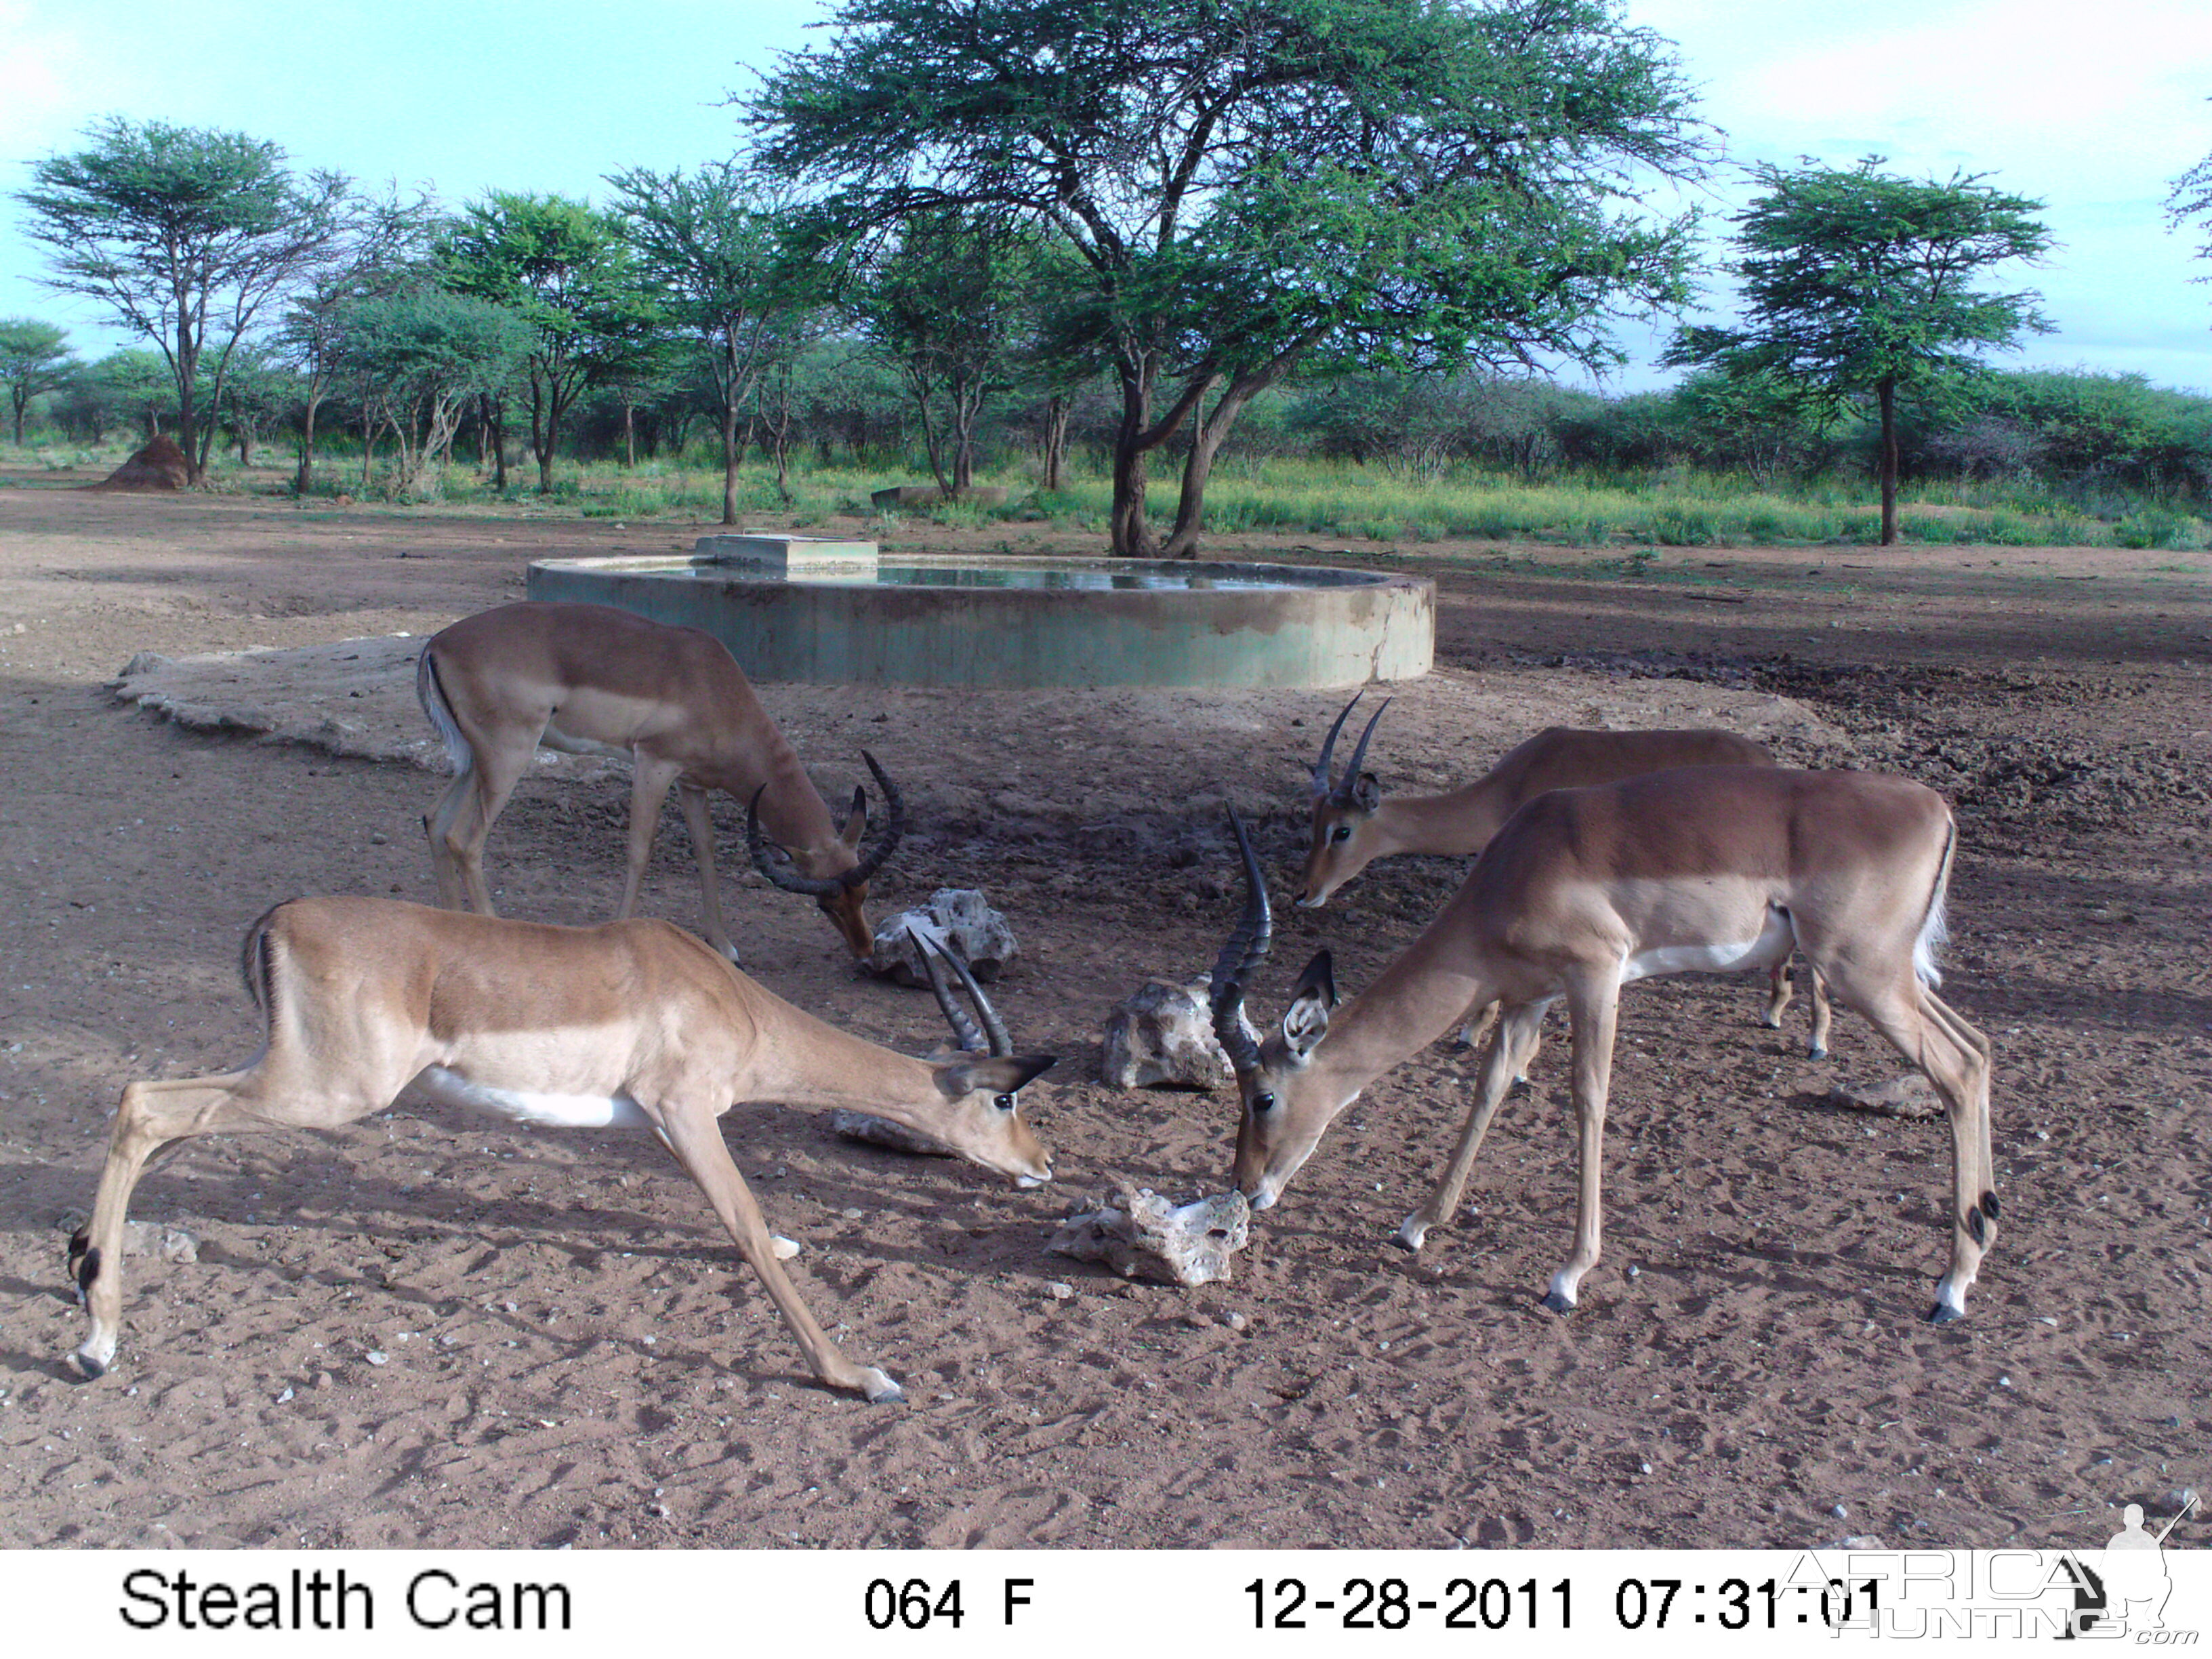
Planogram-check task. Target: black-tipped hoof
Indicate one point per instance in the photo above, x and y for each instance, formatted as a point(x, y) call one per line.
point(1404, 1244)
point(1990, 1205)
point(1554, 1302)
point(88, 1368)
point(1944, 1314)
point(1816, 1054)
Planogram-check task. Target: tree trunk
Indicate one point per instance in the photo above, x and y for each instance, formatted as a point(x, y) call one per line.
point(1198, 467)
point(730, 452)
point(630, 435)
point(1055, 440)
point(1887, 391)
point(303, 480)
point(1130, 537)
point(1206, 443)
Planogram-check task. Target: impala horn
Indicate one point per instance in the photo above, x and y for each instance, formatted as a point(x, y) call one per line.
point(1246, 950)
point(992, 1038)
point(1341, 795)
point(775, 862)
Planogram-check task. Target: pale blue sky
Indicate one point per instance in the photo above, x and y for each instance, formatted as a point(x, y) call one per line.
point(2094, 109)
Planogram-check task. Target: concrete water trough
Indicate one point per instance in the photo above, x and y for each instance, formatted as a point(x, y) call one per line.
point(834, 613)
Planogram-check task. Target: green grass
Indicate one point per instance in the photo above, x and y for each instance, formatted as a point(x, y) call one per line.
point(1671, 508)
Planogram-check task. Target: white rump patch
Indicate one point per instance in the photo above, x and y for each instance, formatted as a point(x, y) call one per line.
point(525, 1106)
point(1775, 942)
point(1933, 933)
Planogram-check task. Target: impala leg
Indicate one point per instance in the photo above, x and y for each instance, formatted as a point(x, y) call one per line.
point(1779, 991)
point(463, 819)
point(1516, 1039)
point(696, 1137)
point(1955, 1058)
point(1593, 1007)
point(1822, 1015)
point(648, 787)
point(700, 823)
point(151, 1117)
point(1479, 1022)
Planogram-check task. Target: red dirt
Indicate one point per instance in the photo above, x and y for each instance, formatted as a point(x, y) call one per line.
point(574, 1353)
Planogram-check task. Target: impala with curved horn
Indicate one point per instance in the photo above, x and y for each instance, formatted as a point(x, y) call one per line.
point(630, 1026)
point(592, 679)
point(1354, 822)
point(1718, 868)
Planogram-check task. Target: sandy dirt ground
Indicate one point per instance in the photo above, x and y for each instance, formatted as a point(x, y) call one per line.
point(428, 1330)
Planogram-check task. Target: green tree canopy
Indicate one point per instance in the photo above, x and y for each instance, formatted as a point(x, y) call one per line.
point(718, 251)
point(566, 270)
point(35, 357)
point(421, 354)
point(1858, 284)
point(951, 307)
point(185, 234)
point(1252, 185)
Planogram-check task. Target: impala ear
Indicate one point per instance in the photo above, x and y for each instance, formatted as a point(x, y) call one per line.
point(1366, 793)
point(1305, 1021)
point(856, 821)
point(1319, 974)
point(998, 1076)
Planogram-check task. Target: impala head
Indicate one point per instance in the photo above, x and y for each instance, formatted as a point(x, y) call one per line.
point(1284, 1104)
point(1340, 815)
point(985, 1080)
point(835, 876)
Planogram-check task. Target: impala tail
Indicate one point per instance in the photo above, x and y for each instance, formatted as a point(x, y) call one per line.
point(1933, 926)
point(431, 697)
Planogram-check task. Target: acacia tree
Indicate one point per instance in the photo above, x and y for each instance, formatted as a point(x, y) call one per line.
point(2191, 199)
point(382, 249)
point(564, 267)
point(422, 357)
point(1254, 183)
point(718, 251)
point(185, 234)
point(35, 357)
point(1861, 285)
point(950, 307)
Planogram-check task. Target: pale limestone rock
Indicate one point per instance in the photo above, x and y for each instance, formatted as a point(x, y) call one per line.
point(874, 1130)
point(1163, 1034)
point(1910, 1096)
point(960, 917)
point(1149, 1238)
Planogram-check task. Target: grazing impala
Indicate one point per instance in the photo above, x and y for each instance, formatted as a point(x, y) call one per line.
point(592, 679)
point(1355, 824)
point(633, 1025)
point(1717, 868)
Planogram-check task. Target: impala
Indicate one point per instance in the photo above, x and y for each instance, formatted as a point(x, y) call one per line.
point(589, 679)
point(1354, 822)
point(1718, 867)
point(633, 1024)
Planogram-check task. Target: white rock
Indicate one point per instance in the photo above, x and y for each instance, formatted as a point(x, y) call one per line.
point(882, 1131)
point(1149, 1236)
point(1164, 1035)
point(959, 917)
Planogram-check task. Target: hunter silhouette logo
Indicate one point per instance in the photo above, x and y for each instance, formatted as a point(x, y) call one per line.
point(2125, 1592)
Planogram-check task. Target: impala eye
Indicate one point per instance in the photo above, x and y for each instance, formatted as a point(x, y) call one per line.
point(1263, 1103)
point(1004, 1103)
point(1342, 832)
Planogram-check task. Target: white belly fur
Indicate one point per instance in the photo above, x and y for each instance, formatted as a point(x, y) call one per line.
point(1773, 944)
point(525, 1106)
